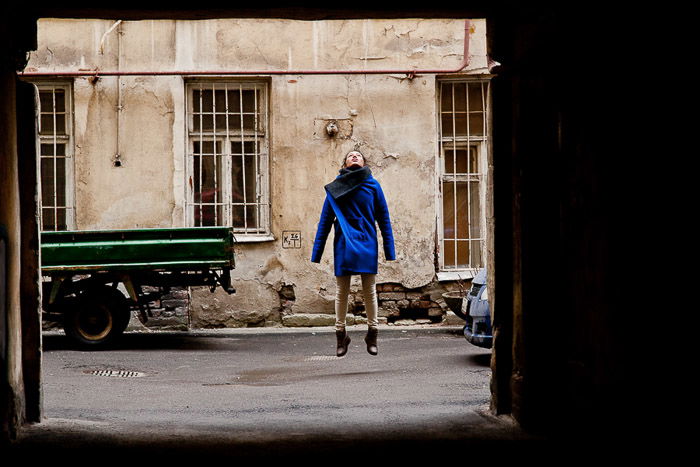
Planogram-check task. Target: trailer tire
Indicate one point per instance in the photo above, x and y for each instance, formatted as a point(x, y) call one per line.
point(99, 316)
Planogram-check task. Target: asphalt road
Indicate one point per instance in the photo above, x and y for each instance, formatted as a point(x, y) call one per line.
point(267, 393)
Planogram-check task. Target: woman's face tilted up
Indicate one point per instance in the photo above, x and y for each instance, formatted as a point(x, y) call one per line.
point(354, 158)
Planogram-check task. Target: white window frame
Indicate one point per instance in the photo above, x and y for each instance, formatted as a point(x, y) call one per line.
point(445, 145)
point(67, 141)
point(260, 136)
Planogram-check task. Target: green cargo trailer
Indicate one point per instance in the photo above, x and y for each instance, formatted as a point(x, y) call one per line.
point(83, 271)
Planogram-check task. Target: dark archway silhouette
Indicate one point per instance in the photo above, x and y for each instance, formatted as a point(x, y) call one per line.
point(564, 308)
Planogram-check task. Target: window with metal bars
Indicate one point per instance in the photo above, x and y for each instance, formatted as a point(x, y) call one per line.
point(56, 157)
point(463, 126)
point(228, 156)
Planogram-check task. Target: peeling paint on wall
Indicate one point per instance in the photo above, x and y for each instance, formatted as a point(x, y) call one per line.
point(391, 118)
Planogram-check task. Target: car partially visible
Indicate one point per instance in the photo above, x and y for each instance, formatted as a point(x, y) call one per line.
point(477, 328)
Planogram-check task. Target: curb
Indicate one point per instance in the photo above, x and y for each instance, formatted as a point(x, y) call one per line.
point(206, 332)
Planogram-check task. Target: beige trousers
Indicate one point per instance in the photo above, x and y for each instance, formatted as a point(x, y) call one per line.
point(369, 292)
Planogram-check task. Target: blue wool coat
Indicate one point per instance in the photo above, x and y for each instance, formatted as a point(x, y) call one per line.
point(353, 216)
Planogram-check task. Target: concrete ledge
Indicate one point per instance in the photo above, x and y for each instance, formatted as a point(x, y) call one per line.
point(319, 319)
point(308, 320)
point(452, 319)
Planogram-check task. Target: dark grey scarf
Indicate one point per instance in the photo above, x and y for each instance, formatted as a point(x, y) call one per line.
point(348, 180)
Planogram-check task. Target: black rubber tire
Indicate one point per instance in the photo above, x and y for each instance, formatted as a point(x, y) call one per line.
point(99, 316)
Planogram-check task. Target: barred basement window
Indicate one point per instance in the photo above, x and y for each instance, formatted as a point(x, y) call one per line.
point(228, 175)
point(463, 144)
point(56, 157)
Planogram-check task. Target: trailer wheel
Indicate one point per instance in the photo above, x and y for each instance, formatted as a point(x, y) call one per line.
point(98, 317)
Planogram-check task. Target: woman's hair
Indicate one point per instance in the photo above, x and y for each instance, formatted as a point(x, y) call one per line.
point(345, 158)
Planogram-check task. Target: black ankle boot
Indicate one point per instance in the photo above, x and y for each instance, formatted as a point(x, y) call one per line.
point(371, 340)
point(343, 342)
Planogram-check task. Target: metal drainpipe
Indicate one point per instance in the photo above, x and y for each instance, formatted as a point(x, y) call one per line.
point(120, 98)
point(409, 73)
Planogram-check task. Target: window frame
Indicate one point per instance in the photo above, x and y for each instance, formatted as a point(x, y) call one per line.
point(450, 143)
point(69, 153)
point(260, 135)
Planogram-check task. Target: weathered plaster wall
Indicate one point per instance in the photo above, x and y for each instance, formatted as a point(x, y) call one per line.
point(389, 117)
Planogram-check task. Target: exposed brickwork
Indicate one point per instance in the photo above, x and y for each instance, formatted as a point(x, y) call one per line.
point(400, 304)
point(287, 299)
point(171, 310)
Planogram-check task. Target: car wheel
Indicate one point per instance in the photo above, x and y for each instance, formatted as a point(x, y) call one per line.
point(97, 318)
